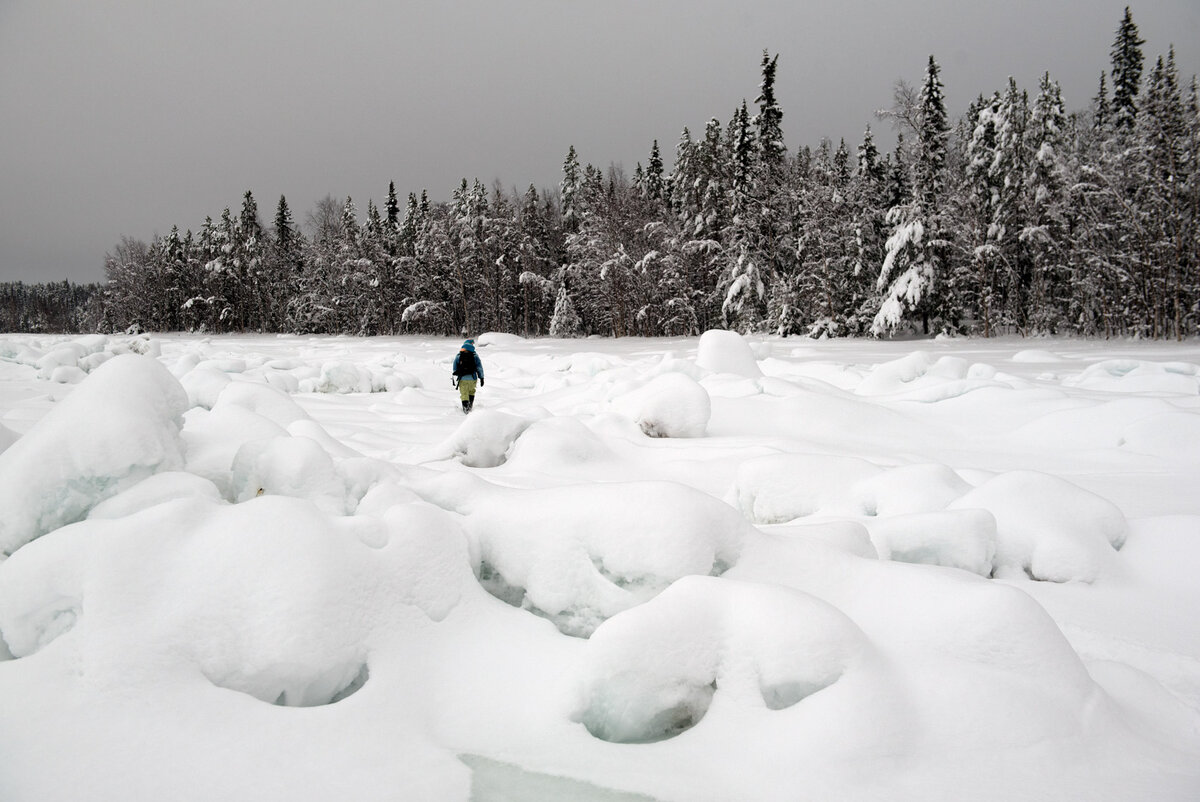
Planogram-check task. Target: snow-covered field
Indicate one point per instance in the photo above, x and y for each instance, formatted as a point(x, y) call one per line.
point(289, 568)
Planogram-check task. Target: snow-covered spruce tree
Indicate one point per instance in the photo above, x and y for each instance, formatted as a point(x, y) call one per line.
point(536, 264)
point(759, 244)
point(911, 276)
point(569, 189)
point(248, 257)
point(1127, 66)
point(1102, 109)
point(565, 322)
point(868, 198)
point(684, 184)
point(1008, 170)
point(768, 123)
point(817, 295)
point(392, 222)
point(655, 183)
point(1046, 225)
point(1165, 172)
point(283, 267)
point(700, 199)
point(744, 285)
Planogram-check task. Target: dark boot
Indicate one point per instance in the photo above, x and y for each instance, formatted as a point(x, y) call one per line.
point(466, 407)
point(470, 403)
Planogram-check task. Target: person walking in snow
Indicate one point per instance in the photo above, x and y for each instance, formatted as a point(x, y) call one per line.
point(468, 368)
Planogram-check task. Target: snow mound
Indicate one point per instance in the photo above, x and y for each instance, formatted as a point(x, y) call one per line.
point(67, 374)
point(288, 466)
point(497, 338)
point(213, 438)
point(1036, 356)
point(1171, 434)
point(909, 489)
point(272, 404)
point(341, 377)
point(890, 377)
point(204, 386)
point(782, 487)
point(723, 351)
point(160, 488)
point(590, 364)
point(578, 555)
point(270, 598)
point(482, 440)
point(964, 539)
point(1047, 527)
point(669, 405)
point(1139, 376)
point(918, 377)
point(65, 356)
point(115, 429)
point(651, 673)
point(558, 443)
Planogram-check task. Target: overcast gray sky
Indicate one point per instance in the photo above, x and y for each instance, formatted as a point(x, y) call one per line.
point(128, 116)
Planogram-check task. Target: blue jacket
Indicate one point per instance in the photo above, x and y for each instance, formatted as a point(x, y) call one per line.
point(478, 374)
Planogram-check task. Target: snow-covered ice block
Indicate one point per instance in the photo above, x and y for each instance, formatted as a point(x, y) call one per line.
point(1036, 356)
point(223, 364)
point(262, 399)
point(669, 405)
point(271, 598)
point(93, 361)
point(213, 438)
point(66, 355)
point(1047, 527)
point(893, 376)
point(154, 490)
point(964, 538)
point(723, 351)
point(783, 487)
point(67, 374)
point(846, 536)
point(558, 441)
point(288, 466)
point(1137, 376)
point(498, 339)
point(116, 428)
point(204, 385)
point(909, 489)
point(339, 376)
point(397, 380)
point(651, 672)
point(482, 440)
point(580, 554)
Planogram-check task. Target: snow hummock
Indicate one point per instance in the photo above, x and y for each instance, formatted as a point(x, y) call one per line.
point(121, 426)
point(726, 352)
point(669, 405)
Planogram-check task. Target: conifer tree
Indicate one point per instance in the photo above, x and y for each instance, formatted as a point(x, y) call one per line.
point(769, 120)
point(656, 188)
point(1046, 224)
point(1126, 72)
point(1103, 113)
point(914, 266)
point(570, 188)
point(566, 321)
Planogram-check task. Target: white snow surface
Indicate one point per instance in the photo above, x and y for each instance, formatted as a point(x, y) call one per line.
point(715, 568)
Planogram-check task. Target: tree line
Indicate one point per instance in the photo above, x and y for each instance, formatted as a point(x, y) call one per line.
point(1018, 217)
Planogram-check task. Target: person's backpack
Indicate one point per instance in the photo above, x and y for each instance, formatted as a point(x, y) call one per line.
point(466, 364)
